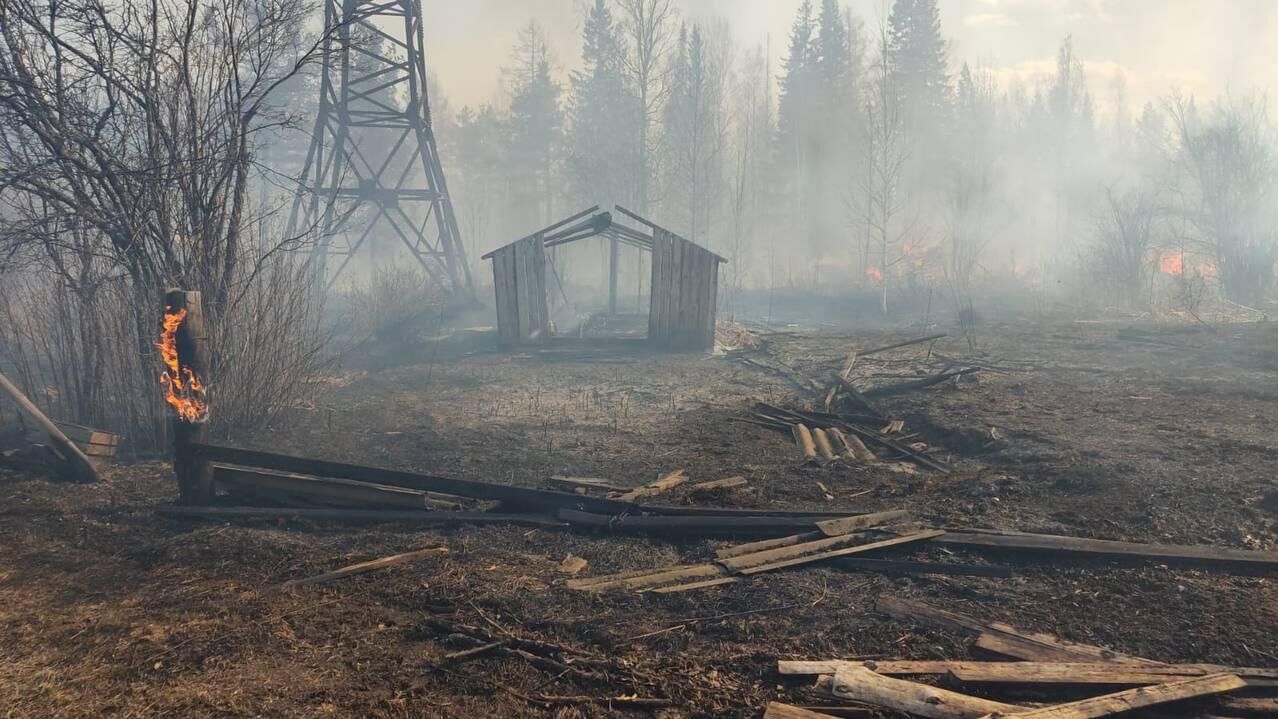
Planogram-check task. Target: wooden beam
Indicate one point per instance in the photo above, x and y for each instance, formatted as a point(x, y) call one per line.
point(738, 524)
point(1003, 672)
point(835, 527)
point(1204, 556)
point(549, 228)
point(717, 484)
point(860, 684)
point(822, 556)
point(410, 516)
point(523, 497)
point(1138, 698)
point(905, 343)
point(331, 491)
point(78, 464)
point(777, 710)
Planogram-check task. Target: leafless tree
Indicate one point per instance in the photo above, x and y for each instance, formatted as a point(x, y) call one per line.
point(650, 26)
point(879, 204)
point(751, 117)
point(1123, 236)
point(127, 150)
point(1227, 161)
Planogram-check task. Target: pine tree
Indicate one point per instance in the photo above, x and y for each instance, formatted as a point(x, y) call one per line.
point(917, 56)
point(602, 115)
point(796, 85)
point(694, 125)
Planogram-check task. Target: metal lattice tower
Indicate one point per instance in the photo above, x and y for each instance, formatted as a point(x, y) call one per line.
point(373, 167)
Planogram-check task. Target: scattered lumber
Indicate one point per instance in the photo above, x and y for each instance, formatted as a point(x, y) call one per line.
point(853, 447)
point(918, 457)
point(752, 568)
point(803, 438)
point(845, 373)
point(667, 481)
point(860, 684)
point(78, 465)
point(777, 710)
point(1028, 646)
point(697, 524)
point(418, 517)
point(362, 567)
point(1204, 556)
point(944, 376)
point(1137, 698)
point(716, 485)
point(323, 490)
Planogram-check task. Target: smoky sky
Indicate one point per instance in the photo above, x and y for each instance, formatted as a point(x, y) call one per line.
point(1200, 47)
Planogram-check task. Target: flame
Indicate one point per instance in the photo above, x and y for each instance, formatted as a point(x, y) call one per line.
point(874, 274)
point(1017, 269)
point(182, 389)
point(1171, 263)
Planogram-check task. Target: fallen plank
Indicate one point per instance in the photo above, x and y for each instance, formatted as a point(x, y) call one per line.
point(369, 566)
point(1250, 706)
point(822, 556)
point(860, 684)
point(896, 566)
point(324, 490)
point(80, 468)
point(768, 556)
point(859, 397)
point(737, 550)
point(666, 482)
point(891, 389)
point(717, 484)
point(1025, 672)
point(575, 483)
point(777, 710)
point(1029, 646)
point(418, 517)
point(1137, 698)
point(1205, 556)
point(645, 579)
point(523, 497)
point(738, 524)
point(835, 527)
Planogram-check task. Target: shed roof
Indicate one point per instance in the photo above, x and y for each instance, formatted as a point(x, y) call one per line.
point(584, 224)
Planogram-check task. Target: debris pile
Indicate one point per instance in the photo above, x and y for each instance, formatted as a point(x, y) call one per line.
point(1030, 663)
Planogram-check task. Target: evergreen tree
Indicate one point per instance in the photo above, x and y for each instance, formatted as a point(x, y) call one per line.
point(694, 125)
point(917, 56)
point(602, 115)
point(796, 88)
point(536, 125)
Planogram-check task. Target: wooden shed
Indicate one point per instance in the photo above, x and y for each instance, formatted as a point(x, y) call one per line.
point(683, 292)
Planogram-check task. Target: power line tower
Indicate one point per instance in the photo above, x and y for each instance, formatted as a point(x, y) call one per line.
point(373, 168)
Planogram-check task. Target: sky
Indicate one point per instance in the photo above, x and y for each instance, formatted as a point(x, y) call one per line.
point(1200, 47)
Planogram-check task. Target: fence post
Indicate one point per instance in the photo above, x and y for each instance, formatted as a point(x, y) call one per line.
point(194, 476)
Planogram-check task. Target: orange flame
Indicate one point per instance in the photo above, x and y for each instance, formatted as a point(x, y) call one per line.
point(874, 274)
point(1171, 263)
point(182, 389)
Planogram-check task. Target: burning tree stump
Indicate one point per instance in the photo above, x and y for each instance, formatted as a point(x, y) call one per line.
point(184, 347)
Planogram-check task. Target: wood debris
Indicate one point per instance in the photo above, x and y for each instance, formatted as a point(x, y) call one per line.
point(363, 567)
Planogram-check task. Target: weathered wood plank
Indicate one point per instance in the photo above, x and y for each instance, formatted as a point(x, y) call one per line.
point(507, 319)
point(1140, 697)
point(80, 466)
point(1024, 672)
point(713, 305)
point(860, 684)
point(737, 550)
point(585, 483)
point(1206, 556)
point(777, 710)
point(1007, 639)
point(655, 288)
point(652, 578)
point(540, 300)
point(822, 556)
point(717, 484)
point(668, 481)
point(676, 292)
point(330, 491)
point(523, 281)
point(836, 527)
point(413, 516)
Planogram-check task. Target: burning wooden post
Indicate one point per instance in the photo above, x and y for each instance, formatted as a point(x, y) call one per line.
point(184, 347)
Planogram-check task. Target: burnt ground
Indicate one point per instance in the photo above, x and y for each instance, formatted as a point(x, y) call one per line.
point(1161, 433)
